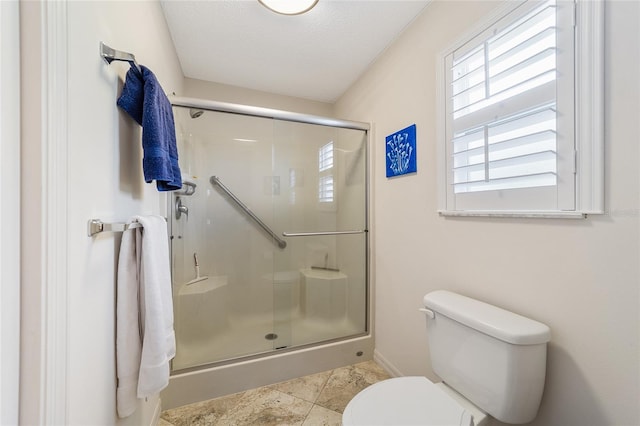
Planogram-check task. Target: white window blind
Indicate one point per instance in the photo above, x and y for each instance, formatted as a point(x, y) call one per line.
point(517, 152)
point(509, 113)
point(325, 157)
point(325, 189)
point(325, 169)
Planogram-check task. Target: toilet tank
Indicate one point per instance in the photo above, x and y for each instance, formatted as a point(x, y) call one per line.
point(493, 357)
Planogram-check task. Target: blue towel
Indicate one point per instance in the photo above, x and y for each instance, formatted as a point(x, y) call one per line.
point(144, 100)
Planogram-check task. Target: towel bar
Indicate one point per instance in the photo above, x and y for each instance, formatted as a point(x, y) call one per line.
point(109, 55)
point(313, 234)
point(95, 226)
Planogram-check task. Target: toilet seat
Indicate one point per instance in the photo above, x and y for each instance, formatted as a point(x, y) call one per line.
point(405, 401)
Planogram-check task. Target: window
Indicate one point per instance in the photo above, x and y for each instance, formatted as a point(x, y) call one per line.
point(510, 122)
point(325, 168)
point(325, 157)
point(325, 189)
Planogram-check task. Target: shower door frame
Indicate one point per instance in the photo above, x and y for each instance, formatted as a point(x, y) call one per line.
point(275, 114)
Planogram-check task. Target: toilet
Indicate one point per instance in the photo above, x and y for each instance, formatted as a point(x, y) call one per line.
point(492, 363)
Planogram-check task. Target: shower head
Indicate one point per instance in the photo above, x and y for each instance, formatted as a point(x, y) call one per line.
point(195, 113)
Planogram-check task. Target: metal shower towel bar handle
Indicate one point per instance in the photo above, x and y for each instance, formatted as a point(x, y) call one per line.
point(216, 182)
point(95, 226)
point(313, 234)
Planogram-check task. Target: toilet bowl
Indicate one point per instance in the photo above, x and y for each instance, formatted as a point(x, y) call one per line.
point(411, 401)
point(492, 363)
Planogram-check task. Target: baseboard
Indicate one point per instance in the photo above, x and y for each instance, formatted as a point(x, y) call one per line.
point(384, 363)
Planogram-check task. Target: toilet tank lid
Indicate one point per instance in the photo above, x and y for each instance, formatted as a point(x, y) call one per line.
point(488, 319)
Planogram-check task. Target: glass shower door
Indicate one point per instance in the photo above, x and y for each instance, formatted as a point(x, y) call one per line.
point(321, 210)
point(237, 291)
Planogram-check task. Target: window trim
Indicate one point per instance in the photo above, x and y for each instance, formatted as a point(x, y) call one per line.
point(588, 109)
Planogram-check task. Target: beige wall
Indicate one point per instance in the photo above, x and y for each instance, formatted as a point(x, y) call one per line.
point(581, 277)
point(237, 95)
point(103, 179)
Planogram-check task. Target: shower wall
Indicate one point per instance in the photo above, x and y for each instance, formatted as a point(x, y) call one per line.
point(249, 296)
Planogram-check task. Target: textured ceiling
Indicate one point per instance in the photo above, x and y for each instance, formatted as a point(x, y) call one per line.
point(317, 55)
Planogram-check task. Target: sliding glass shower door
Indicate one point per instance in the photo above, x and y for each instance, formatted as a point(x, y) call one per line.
point(269, 237)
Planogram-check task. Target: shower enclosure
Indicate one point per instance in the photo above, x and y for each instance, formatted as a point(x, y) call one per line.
point(269, 233)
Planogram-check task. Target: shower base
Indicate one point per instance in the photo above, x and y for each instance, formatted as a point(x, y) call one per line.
point(245, 337)
point(212, 382)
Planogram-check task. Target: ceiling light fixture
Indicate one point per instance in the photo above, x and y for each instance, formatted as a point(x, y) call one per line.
point(289, 7)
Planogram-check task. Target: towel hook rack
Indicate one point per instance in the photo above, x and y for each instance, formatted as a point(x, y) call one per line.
point(109, 55)
point(95, 226)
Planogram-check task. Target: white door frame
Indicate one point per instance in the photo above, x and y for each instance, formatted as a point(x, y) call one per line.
point(9, 211)
point(44, 346)
point(54, 209)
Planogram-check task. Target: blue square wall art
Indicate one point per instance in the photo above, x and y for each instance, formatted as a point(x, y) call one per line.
point(401, 152)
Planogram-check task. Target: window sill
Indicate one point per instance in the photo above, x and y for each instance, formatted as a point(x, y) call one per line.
point(515, 214)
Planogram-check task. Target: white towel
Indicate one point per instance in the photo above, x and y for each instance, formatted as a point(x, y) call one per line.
point(145, 340)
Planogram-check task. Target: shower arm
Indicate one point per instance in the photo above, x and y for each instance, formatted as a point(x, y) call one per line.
point(216, 182)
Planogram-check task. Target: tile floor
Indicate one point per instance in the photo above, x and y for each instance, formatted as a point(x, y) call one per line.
point(315, 400)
